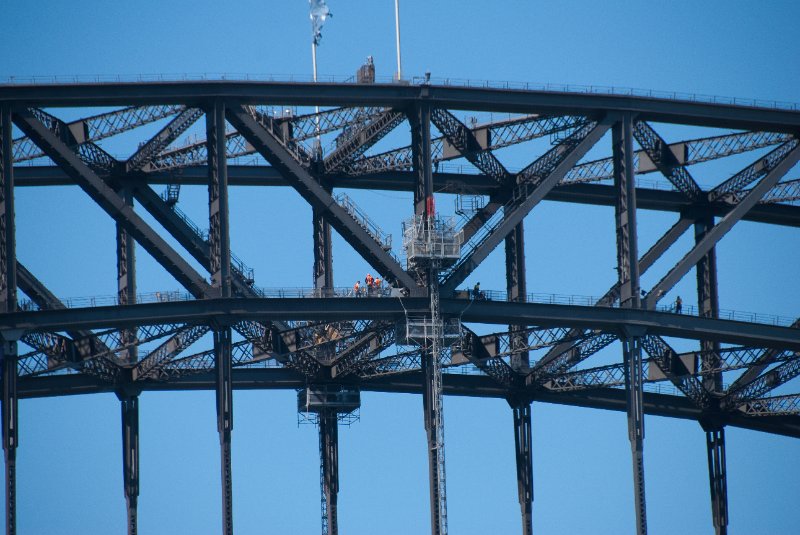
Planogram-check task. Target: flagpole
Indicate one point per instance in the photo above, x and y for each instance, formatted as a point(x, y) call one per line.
point(318, 148)
point(314, 59)
point(397, 35)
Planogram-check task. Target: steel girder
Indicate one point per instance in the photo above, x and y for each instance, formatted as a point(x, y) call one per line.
point(98, 127)
point(105, 196)
point(300, 178)
point(394, 95)
point(665, 160)
point(532, 184)
point(733, 192)
point(772, 167)
point(683, 153)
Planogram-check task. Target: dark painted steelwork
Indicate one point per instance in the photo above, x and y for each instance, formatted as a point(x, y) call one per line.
point(394, 95)
point(516, 287)
point(8, 258)
point(466, 143)
point(218, 233)
point(772, 168)
point(708, 306)
point(717, 475)
point(329, 459)
point(524, 461)
point(662, 156)
point(224, 392)
point(129, 404)
point(143, 157)
point(323, 252)
point(126, 281)
point(601, 318)
point(279, 156)
point(625, 212)
point(435, 453)
point(532, 184)
point(628, 275)
point(10, 405)
point(632, 353)
point(284, 330)
point(420, 120)
point(8, 303)
point(111, 203)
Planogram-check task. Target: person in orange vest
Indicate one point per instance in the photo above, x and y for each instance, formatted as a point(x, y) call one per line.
point(368, 283)
point(357, 288)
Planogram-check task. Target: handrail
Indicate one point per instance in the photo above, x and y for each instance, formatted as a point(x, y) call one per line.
point(416, 80)
point(386, 291)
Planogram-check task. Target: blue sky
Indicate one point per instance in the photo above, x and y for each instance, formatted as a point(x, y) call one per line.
point(69, 470)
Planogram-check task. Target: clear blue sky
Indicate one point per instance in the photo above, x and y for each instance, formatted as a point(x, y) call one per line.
point(69, 470)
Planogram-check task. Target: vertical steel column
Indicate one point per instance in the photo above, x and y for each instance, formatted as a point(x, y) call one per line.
point(517, 291)
point(628, 272)
point(220, 269)
point(8, 303)
point(218, 230)
point(715, 443)
point(708, 305)
point(224, 391)
point(632, 350)
point(323, 253)
point(130, 456)
point(420, 119)
point(625, 212)
point(126, 278)
point(522, 443)
point(329, 459)
point(10, 427)
point(431, 406)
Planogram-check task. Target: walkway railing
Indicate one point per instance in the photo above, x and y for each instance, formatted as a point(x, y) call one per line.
point(416, 80)
point(585, 300)
point(387, 291)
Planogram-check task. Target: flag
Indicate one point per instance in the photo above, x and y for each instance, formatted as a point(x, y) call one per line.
point(319, 13)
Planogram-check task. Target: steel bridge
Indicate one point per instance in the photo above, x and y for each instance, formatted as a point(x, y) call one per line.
point(331, 346)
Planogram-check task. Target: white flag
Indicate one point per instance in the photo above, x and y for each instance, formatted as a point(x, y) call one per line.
point(319, 13)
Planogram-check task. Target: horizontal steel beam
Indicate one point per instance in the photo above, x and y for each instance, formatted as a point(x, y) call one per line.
point(596, 194)
point(605, 319)
point(399, 96)
point(455, 385)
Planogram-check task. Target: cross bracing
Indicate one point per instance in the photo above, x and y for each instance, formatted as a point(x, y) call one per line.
point(225, 332)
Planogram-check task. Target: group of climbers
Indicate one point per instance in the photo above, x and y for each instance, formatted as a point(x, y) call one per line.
point(372, 286)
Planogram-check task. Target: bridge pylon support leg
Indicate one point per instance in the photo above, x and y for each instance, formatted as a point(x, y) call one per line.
point(329, 459)
point(130, 458)
point(522, 443)
point(10, 429)
point(717, 476)
point(224, 391)
point(632, 352)
point(8, 303)
point(431, 401)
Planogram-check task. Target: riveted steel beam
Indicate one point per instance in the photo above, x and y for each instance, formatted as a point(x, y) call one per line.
point(534, 182)
point(107, 199)
point(777, 168)
point(301, 179)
